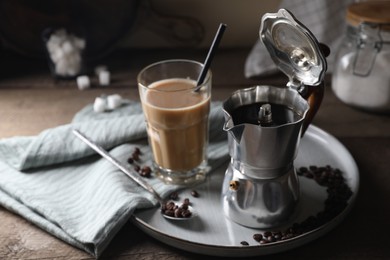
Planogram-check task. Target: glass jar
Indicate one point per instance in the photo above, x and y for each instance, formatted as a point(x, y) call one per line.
point(361, 76)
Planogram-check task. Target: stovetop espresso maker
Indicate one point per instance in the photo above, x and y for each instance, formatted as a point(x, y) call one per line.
point(265, 124)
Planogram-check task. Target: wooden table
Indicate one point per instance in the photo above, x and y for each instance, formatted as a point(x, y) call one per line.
point(31, 101)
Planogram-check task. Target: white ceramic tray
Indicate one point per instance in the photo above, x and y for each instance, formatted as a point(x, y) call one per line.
point(211, 233)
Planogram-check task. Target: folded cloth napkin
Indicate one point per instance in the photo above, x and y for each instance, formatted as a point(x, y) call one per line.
point(58, 183)
point(325, 19)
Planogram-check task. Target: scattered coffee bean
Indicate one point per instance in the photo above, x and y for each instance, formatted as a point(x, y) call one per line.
point(264, 241)
point(278, 236)
point(244, 243)
point(194, 193)
point(267, 234)
point(271, 239)
point(146, 171)
point(135, 156)
point(186, 201)
point(184, 206)
point(137, 150)
point(338, 195)
point(258, 237)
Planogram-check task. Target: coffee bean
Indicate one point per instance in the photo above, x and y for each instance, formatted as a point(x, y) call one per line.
point(172, 210)
point(258, 237)
point(135, 156)
point(278, 237)
point(146, 171)
point(130, 160)
point(169, 212)
point(178, 213)
point(338, 195)
point(194, 193)
point(137, 150)
point(186, 201)
point(264, 241)
point(244, 243)
point(271, 239)
point(186, 213)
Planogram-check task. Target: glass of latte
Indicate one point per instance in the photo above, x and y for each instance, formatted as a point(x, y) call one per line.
point(176, 112)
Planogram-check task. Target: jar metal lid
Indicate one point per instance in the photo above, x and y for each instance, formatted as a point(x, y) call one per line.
point(377, 12)
point(293, 48)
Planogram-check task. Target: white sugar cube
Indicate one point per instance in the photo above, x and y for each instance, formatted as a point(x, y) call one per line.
point(114, 101)
point(104, 78)
point(83, 82)
point(99, 105)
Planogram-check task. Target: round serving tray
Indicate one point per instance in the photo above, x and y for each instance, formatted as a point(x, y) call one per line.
point(211, 233)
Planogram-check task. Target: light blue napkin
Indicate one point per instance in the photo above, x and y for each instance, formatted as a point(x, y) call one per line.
point(58, 183)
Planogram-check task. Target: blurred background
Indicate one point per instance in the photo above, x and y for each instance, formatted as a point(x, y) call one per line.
point(131, 24)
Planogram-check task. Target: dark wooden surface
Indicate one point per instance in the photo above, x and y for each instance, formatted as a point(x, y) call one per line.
point(31, 101)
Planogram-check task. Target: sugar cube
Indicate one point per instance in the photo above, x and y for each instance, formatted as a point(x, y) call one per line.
point(114, 101)
point(104, 78)
point(99, 105)
point(83, 82)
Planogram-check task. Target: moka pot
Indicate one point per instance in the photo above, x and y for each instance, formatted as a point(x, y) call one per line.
point(265, 125)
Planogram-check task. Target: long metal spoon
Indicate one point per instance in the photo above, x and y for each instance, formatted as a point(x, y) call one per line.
point(129, 173)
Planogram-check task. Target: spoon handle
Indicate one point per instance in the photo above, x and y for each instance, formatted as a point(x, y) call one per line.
point(118, 164)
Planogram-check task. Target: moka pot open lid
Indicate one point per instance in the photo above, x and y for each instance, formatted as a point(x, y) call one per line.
point(293, 48)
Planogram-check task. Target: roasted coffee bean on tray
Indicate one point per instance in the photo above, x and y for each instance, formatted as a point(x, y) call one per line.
point(244, 243)
point(194, 193)
point(258, 237)
point(338, 195)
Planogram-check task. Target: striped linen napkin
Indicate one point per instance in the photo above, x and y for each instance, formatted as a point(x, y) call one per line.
point(58, 183)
